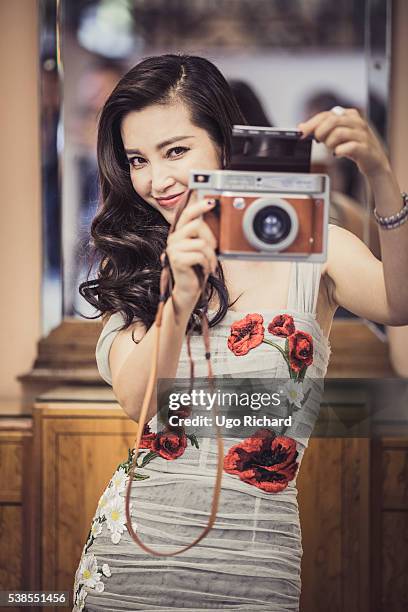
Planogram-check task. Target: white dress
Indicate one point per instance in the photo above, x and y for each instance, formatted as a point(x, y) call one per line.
point(250, 561)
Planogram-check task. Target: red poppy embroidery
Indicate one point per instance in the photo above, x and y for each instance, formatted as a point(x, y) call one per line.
point(300, 346)
point(246, 334)
point(249, 332)
point(169, 444)
point(264, 460)
point(148, 437)
point(282, 325)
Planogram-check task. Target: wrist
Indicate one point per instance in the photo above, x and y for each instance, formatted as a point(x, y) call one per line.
point(184, 301)
point(382, 174)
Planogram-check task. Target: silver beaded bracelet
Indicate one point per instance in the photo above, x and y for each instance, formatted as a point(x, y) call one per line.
point(396, 220)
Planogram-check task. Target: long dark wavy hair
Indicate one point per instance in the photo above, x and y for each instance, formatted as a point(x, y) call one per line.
point(127, 234)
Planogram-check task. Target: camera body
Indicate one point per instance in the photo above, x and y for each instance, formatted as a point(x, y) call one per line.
point(262, 214)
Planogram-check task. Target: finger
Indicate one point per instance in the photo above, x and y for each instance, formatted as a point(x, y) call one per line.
point(194, 229)
point(194, 211)
point(194, 245)
point(340, 135)
point(351, 117)
point(211, 256)
point(308, 127)
point(189, 230)
point(350, 150)
point(206, 232)
point(186, 260)
point(332, 122)
point(187, 244)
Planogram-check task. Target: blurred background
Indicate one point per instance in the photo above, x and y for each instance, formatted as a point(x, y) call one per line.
point(285, 60)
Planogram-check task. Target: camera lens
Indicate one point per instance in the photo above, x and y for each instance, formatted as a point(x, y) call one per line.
point(272, 224)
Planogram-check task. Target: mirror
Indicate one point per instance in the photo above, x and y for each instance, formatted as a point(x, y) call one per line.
point(296, 58)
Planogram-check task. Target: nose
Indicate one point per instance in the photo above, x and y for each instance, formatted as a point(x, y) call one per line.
point(161, 180)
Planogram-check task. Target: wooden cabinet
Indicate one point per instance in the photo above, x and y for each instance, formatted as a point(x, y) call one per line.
point(389, 515)
point(334, 509)
point(16, 490)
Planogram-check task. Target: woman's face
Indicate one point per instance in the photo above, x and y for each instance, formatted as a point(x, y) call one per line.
point(162, 146)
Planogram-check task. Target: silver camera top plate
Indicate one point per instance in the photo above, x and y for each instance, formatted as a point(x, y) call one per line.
point(221, 180)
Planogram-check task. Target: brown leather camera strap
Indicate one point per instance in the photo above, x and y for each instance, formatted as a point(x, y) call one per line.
point(165, 284)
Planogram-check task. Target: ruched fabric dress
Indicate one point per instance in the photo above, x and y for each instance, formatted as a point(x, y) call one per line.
point(251, 559)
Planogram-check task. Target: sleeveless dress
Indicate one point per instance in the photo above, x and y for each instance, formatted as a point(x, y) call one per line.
point(251, 559)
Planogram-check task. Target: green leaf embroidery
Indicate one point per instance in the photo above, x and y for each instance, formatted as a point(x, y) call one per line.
point(193, 440)
point(147, 458)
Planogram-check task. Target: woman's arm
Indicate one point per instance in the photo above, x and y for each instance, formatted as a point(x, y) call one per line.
point(192, 243)
point(398, 342)
point(364, 285)
point(358, 281)
point(130, 363)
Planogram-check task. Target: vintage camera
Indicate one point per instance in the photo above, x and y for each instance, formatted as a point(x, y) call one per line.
point(268, 204)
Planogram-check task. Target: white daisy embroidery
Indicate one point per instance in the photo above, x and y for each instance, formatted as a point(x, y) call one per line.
point(119, 480)
point(80, 600)
point(88, 571)
point(106, 570)
point(294, 392)
point(99, 587)
point(96, 529)
point(116, 518)
point(107, 497)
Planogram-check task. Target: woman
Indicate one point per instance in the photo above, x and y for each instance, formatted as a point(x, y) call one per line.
point(168, 115)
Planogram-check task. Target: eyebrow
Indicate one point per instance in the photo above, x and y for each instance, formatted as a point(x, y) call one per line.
point(161, 145)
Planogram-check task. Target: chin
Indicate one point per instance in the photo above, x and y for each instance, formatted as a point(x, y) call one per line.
point(169, 215)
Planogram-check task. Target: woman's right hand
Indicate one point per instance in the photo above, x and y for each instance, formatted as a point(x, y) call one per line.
point(191, 243)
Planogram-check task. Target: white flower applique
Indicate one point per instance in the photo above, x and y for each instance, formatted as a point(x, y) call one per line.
point(87, 578)
point(119, 480)
point(294, 393)
point(88, 571)
point(79, 600)
point(106, 570)
point(96, 529)
point(116, 518)
point(110, 509)
point(109, 494)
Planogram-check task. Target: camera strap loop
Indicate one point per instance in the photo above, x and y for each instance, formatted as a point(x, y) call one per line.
point(166, 287)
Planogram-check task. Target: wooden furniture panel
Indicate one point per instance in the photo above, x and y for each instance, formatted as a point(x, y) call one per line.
point(394, 555)
point(395, 478)
point(319, 498)
point(16, 489)
point(389, 531)
point(334, 506)
point(11, 550)
point(11, 461)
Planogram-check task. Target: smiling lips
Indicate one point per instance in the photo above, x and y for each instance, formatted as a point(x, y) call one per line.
point(170, 201)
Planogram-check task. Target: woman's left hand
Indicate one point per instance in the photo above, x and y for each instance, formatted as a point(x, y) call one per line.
point(349, 135)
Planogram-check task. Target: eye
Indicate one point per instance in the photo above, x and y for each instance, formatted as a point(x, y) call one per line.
point(136, 162)
point(177, 151)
